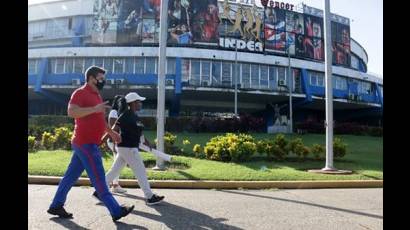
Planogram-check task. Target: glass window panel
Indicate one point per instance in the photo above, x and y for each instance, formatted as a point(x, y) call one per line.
point(129, 65)
point(195, 72)
point(226, 73)
point(60, 65)
point(216, 73)
point(118, 65)
point(78, 65)
point(139, 65)
point(108, 62)
point(246, 76)
point(150, 65)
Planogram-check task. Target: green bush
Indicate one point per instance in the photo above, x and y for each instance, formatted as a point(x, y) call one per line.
point(230, 147)
point(62, 138)
point(31, 144)
point(169, 147)
point(297, 147)
point(318, 151)
point(197, 148)
point(277, 148)
point(339, 148)
point(47, 141)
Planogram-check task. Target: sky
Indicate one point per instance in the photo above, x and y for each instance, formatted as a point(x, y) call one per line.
point(366, 24)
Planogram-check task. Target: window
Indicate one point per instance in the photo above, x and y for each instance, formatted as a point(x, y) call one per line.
point(216, 73)
point(282, 76)
point(150, 65)
point(32, 66)
point(321, 80)
point(185, 70)
point(272, 77)
point(129, 65)
point(88, 25)
point(205, 72)
point(118, 65)
point(52, 66)
point(264, 84)
point(108, 65)
point(36, 30)
point(255, 76)
point(57, 28)
point(226, 73)
point(59, 65)
point(246, 76)
point(78, 65)
point(365, 87)
point(171, 65)
point(236, 73)
point(88, 62)
point(195, 72)
point(139, 65)
point(69, 63)
point(354, 62)
point(339, 83)
point(317, 79)
point(70, 23)
point(313, 80)
point(99, 62)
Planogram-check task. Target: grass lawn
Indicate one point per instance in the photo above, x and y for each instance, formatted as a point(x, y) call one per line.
point(364, 157)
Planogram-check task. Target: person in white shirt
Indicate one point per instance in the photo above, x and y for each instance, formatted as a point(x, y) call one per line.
point(112, 117)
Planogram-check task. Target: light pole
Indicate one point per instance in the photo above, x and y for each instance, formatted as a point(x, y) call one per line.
point(161, 82)
point(329, 169)
point(236, 79)
point(329, 89)
point(290, 93)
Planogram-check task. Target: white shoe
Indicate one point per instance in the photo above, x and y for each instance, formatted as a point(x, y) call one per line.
point(118, 189)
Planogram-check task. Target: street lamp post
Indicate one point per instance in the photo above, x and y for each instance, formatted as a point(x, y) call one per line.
point(290, 93)
point(329, 89)
point(161, 82)
point(236, 79)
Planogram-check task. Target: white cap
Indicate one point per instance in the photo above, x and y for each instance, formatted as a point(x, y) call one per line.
point(130, 97)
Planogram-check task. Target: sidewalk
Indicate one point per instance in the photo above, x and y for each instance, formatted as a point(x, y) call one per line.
point(217, 209)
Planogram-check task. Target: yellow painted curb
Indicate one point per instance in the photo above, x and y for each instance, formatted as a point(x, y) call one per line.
point(208, 184)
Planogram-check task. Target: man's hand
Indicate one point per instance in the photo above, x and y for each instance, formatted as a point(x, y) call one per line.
point(100, 108)
point(115, 136)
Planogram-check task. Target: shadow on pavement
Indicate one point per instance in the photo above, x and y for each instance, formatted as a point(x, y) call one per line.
point(128, 195)
point(177, 217)
point(307, 203)
point(67, 223)
point(121, 225)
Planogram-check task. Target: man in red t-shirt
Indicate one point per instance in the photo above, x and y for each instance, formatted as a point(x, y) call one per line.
point(87, 108)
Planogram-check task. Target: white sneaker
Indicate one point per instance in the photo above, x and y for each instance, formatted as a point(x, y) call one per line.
point(118, 189)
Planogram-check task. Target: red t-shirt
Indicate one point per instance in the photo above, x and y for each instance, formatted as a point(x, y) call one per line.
point(91, 128)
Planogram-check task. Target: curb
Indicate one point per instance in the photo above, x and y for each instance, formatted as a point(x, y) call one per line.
point(208, 184)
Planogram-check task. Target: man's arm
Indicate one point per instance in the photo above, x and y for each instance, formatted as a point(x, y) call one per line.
point(76, 111)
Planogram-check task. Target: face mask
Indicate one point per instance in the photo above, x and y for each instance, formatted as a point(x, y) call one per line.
point(100, 84)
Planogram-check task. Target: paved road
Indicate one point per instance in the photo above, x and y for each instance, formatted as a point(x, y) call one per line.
point(217, 209)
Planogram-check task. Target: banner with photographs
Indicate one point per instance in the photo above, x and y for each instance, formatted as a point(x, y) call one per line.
point(341, 44)
point(275, 30)
point(220, 24)
point(191, 21)
point(105, 21)
point(138, 21)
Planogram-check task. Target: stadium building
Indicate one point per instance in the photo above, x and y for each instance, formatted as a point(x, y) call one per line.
point(211, 45)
